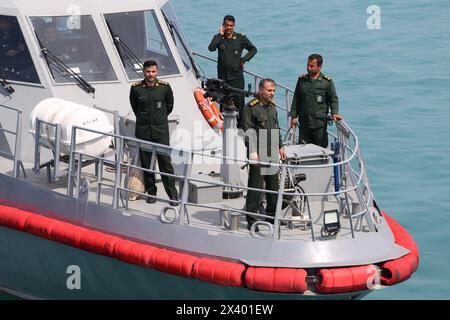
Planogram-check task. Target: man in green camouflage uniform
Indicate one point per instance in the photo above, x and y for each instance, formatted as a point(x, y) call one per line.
point(152, 101)
point(263, 139)
point(230, 63)
point(314, 96)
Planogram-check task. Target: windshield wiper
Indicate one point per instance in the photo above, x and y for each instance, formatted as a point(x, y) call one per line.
point(5, 84)
point(172, 27)
point(127, 55)
point(63, 69)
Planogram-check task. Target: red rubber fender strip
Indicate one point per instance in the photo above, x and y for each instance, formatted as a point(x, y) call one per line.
point(69, 234)
point(399, 270)
point(13, 218)
point(219, 272)
point(134, 253)
point(342, 280)
point(402, 237)
point(40, 226)
point(284, 280)
point(173, 262)
point(98, 242)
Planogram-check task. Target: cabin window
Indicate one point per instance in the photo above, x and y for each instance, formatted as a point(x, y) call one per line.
point(138, 38)
point(15, 59)
point(177, 35)
point(75, 43)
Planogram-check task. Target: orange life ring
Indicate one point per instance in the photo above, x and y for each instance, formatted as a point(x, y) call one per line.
point(209, 109)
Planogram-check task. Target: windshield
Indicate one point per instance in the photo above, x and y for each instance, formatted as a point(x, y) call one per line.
point(172, 19)
point(75, 41)
point(15, 59)
point(142, 34)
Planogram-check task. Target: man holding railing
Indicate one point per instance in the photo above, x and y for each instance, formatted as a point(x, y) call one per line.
point(152, 101)
point(230, 64)
point(314, 96)
point(263, 140)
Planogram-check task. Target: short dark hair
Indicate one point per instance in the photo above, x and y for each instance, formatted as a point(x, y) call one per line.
point(317, 57)
point(150, 63)
point(263, 82)
point(229, 18)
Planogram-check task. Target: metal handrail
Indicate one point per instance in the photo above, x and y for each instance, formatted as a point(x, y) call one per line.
point(188, 156)
point(157, 145)
point(16, 155)
point(203, 154)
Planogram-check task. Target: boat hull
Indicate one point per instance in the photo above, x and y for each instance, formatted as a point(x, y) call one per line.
point(33, 267)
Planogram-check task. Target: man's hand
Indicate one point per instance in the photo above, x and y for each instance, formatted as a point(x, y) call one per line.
point(293, 122)
point(337, 117)
point(222, 30)
point(282, 154)
point(242, 64)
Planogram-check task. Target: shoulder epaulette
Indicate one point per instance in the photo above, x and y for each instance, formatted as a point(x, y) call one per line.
point(253, 103)
point(137, 84)
point(243, 34)
point(163, 82)
point(303, 76)
point(327, 78)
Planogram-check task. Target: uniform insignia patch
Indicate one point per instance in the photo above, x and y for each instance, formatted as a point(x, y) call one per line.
point(254, 102)
point(327, 78)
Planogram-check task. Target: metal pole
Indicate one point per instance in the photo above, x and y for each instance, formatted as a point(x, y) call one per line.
point(349, 215)
point(55, 176)
point(367, 216)
point(18, 146)
point(99, 180)
point(153, 159)
point(287, 106)
point(310, 217)
point(116, 128)
point(79, 167)
point(127, 183)
point(70, 181)
point(118, 177)
point(37, 147)
point(185, 193)
point(276, 223)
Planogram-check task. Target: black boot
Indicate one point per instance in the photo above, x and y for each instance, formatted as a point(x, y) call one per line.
point(151, 200)
point(174, 201)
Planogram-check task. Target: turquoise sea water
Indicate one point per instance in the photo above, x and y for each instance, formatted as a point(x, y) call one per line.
point(394, 90)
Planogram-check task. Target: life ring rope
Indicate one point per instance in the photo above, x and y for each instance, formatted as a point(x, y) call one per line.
point(209, 109)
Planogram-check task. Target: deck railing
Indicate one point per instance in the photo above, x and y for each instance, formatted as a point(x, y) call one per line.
point(14, 155)
point(343, 131)
point(354, 180)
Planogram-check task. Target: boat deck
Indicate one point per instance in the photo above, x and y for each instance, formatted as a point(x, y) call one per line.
point(206, 218)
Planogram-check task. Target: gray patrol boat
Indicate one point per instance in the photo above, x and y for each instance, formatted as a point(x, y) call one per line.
point(74, 222)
